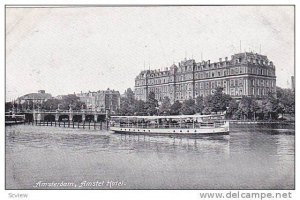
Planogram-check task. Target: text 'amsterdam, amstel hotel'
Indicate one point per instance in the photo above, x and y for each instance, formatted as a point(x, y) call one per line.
point(245, 74)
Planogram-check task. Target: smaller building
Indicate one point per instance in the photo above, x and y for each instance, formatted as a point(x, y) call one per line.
point(101, 100)
point(37, 98)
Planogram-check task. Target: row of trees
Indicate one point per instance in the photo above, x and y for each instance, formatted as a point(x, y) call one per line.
point(50, 104)
point(270, 107)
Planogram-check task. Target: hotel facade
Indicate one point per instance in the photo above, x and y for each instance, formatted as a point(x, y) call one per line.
point(245, 74)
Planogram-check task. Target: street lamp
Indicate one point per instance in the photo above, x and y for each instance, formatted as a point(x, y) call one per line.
point(157, 109)
point(58, 106)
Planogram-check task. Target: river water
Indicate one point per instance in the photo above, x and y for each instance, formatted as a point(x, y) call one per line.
point(252, 157)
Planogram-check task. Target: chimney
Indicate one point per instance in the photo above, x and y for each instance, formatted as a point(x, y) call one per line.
point(220, 59)
point(208, 61)
point(226, 59)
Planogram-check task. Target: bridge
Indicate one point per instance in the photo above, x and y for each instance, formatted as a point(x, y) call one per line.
point(66, 115)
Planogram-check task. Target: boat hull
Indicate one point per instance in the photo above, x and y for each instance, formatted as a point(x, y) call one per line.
point(223, 130)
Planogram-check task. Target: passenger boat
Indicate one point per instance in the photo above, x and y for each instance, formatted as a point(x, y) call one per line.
point(183, 124)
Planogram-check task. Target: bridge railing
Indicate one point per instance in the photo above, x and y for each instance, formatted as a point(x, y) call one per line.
point(65, 111)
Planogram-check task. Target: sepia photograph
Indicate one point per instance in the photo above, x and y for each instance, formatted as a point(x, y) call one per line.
point(150, 97)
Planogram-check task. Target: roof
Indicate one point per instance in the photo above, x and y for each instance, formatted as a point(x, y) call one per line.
point(36, 96)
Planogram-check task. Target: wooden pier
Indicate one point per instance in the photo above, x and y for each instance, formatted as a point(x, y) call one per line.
point(71, 124)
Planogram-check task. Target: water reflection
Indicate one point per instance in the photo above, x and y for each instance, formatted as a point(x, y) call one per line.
point(252, 157)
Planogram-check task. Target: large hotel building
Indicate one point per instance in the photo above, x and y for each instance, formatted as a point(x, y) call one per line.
point(245, 74)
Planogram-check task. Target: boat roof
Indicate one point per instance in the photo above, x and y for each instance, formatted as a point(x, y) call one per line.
point(168, 117)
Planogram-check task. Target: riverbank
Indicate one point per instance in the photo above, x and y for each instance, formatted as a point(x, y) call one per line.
point(261, 122)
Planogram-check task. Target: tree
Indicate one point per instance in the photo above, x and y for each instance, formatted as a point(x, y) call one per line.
point(286, 100)
point(71, 100)
point(199, 104)
point(140, 107)
point(151, 104)
point(51, 104)
point(28, 105)
point(232, 111)
point(127, 103)
point(175, 108)
point(165, 106)
point(217, 102)
point(129, 95)
point(254, 108)
point(188, 107)
point(8, 106)
point(247, 107)
point(268, 107)
point(125, 107)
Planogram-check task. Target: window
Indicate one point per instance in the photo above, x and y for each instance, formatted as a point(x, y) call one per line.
point(201, 85)
point(240, 82)
point(206, 85)
point(231, 82)
point(241, 92)
point(232, 92)
point(241, 70)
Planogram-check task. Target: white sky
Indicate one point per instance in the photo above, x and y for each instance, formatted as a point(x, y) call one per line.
point(66, 50)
